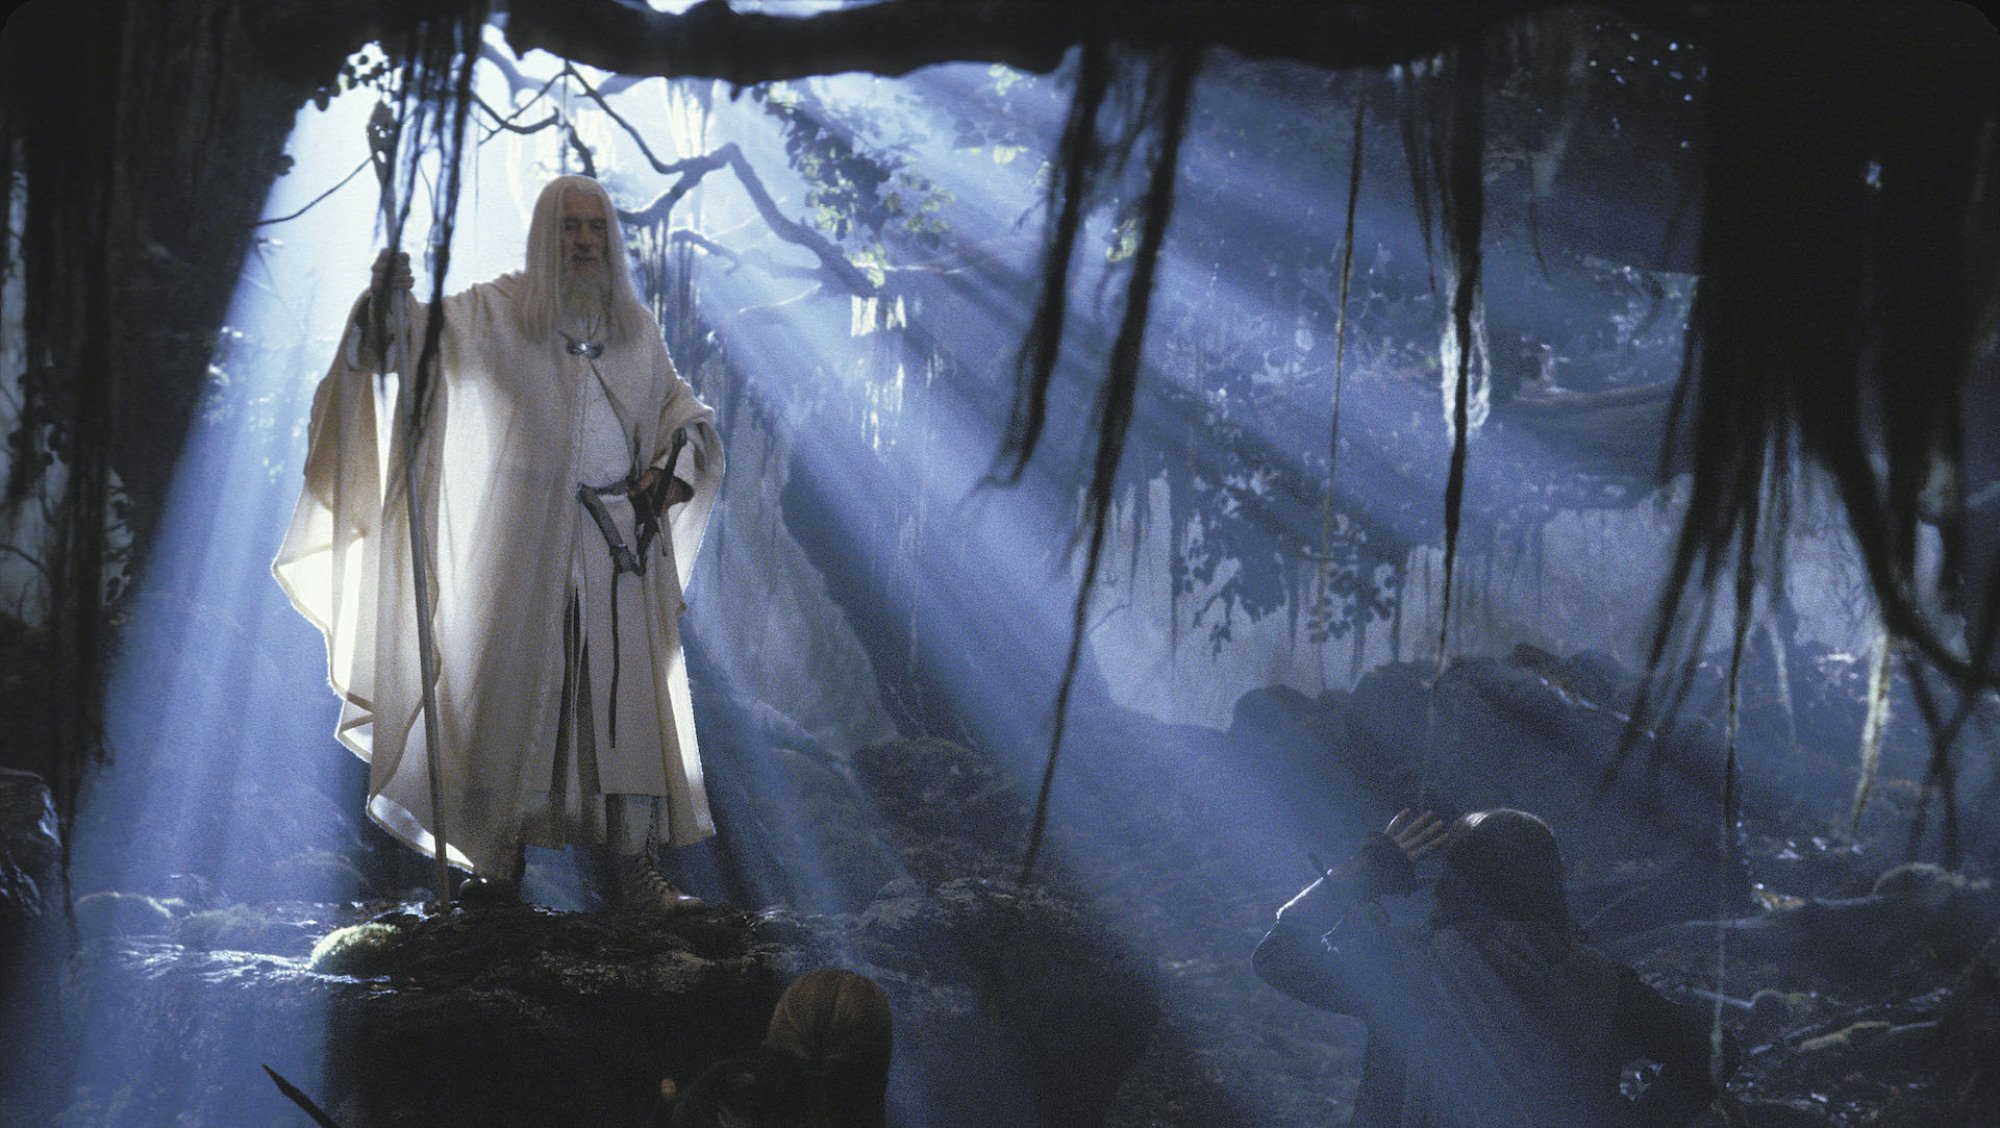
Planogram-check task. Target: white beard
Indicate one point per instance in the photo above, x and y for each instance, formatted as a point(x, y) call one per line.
point(586, 299)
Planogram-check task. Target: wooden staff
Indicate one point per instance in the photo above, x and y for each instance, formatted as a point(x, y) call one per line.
point(383, 130)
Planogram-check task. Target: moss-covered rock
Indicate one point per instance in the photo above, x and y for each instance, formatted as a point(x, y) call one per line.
point(358, 949)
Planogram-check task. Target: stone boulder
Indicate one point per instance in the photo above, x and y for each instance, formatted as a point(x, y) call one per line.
point(1288, 745)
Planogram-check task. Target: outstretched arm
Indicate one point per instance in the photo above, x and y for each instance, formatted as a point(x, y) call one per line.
point(1384, 865)
point(1295, 956)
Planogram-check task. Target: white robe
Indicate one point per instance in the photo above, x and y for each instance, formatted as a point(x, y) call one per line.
point(502, 454)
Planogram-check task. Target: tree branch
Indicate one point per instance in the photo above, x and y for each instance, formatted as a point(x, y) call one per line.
point(895, 37)
point(631, 131)
point(507, 123)
point(763, 262)
point(304, 40)
point(834, 264)
point(791, 230)
point(314, 202)
point(516, 81)
point(694, 238)
point(691, 170)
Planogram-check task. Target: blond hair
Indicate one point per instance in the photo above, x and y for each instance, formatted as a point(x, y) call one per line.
point(835, 1028)
point(824, 1063)
point(833, 1017)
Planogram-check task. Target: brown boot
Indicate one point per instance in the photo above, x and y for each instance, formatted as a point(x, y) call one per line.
point(642, 888)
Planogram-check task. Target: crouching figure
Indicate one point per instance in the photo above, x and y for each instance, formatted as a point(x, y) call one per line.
point(1494, 1013)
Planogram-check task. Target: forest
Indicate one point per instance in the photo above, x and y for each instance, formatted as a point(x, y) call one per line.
point(1164, 441)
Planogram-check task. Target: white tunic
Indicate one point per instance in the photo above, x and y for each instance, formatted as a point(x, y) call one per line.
point(513, 427)
point(608, 658)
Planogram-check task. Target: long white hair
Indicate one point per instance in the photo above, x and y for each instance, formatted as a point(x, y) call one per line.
point(538, 300)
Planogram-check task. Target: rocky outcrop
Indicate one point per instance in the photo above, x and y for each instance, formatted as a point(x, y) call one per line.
point(1011, 1008)
point(1915, 929)
point(1013, 1005)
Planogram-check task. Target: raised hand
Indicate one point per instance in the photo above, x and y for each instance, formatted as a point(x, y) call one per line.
point(392, 270)
point(374, 346)
point(1417, 834)
point(645, 484)
point(653, 492)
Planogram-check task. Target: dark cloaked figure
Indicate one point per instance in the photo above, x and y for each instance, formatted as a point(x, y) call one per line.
point(824, 1064)
point(1494, 1013)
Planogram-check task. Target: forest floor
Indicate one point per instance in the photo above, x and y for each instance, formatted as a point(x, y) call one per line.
point(1845, 975)
point(1848, 978)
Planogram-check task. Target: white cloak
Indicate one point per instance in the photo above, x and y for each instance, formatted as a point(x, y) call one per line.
point(498, 470)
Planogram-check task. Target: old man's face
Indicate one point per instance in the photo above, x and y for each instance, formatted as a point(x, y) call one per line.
point(585, 236)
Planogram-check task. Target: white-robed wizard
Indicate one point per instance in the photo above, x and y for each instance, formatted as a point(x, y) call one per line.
point(565, 476)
